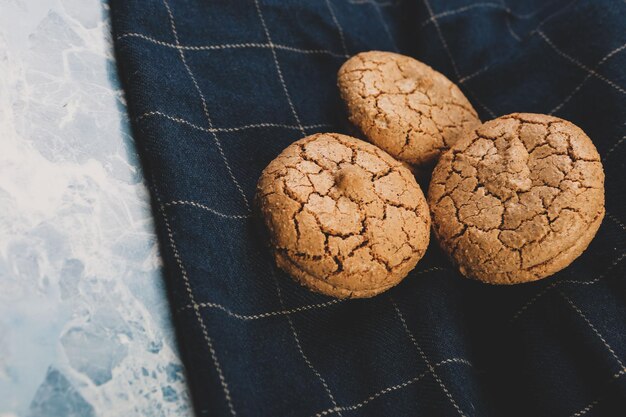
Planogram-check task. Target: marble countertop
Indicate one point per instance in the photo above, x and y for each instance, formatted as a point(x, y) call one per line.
point(84, 321)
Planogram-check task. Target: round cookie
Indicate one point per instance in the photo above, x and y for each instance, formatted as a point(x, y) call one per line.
point(518, 199)
point(404, 106)
point(344, 218)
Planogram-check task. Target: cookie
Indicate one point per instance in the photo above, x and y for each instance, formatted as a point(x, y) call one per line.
point(404, 106)
point(344, 218)
point(518, 199)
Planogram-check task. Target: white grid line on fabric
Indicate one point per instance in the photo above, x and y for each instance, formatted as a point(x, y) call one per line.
point(592, 404)
point(487, 5)
point(284, 312)
point(502, 6)
point(449, 53)
point(579, 64)
point(442, 39)
point(278, 70)
point(589, 75)
point(204, 106)
point(339, 28)
point(245, 45)
point(554, 284)
point(616, 220)
point(432, 18)
point(173, 119)
point(452, 61)
point(392, 388)
point(187, 284)
point(269, 314)
point(522, 16)
point(380, 3)
point(209, 209)
point(619, 142)
point(576, 89)
point(208, 339)
point(308, 51)
point(595, 330)
point(474, 74)
point(297, 340)
point(385, 26)
point(481, 104)
point(424, 357)
point(229, 129)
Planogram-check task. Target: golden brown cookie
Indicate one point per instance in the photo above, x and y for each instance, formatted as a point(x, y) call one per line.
point(404, 106)
point(344, 218)
point(517, 199)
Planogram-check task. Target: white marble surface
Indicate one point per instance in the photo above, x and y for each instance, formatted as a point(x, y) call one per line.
point(84, 321)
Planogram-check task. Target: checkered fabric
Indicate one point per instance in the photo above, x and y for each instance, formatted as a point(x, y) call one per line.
point(216, 89)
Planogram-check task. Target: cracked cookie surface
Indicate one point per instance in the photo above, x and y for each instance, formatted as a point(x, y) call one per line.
point(344, 218)
point(404, 106)
point(518, 199)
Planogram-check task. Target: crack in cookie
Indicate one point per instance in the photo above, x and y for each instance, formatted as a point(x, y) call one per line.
point(344, 218)
point(518, 199)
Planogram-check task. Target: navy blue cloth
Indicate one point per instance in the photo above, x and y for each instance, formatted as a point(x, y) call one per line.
point(216, 89)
